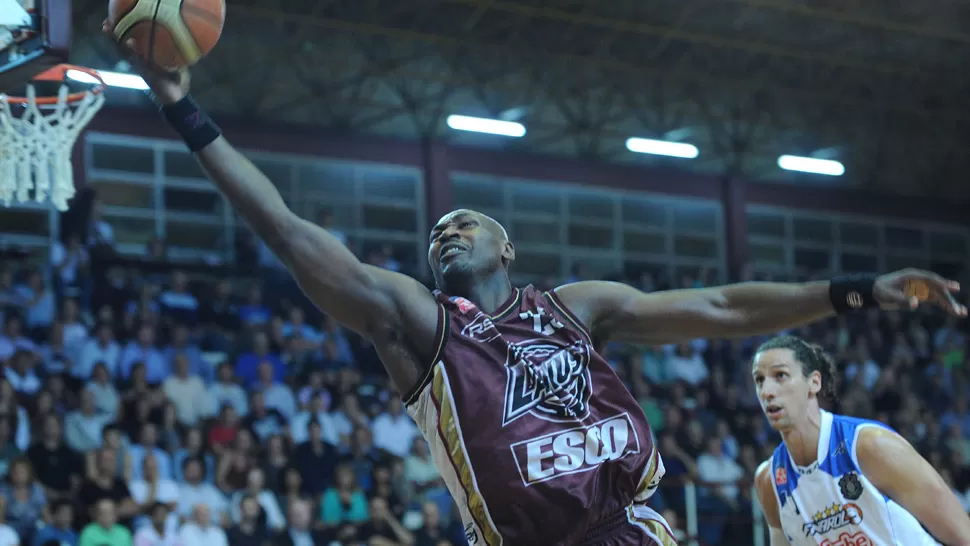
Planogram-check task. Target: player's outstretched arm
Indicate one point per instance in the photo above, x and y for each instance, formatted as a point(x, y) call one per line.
point(769, 504)
point(620, 312)
point(897, 470)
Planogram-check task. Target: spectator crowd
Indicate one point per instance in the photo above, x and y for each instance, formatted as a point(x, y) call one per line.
point(148, 409)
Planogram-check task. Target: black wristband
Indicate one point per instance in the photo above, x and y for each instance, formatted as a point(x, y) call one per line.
point(191, 123)
point(852, 292)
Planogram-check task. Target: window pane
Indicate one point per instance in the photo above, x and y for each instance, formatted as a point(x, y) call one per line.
point(695, 247)
point(389, 218)
point(132, 230)
point(536, 263)
point(182, 165)
point(895, 263)
point(326, 178)
point(766, 224)
point(853, 233)
point(200, 202)
point(695, 218)
point(647, 243)
point(942, 243)
point(123, 158)
point(386, 184)
point(590, 237)
point(535, 199)
point(767, 254)
point(124, 195)
point(809, 230)
point(535, 232)
point(859, 263)
point(343, 216)
point(813, 260)
point(904, 238)
point(638, 211)
point(469, 193)
point(18, 221)
point(195, 236)
point(590, 205)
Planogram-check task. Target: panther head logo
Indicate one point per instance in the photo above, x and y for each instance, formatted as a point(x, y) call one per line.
point(548, 379)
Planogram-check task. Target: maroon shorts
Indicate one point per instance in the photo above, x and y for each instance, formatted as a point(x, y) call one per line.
point(638, 525)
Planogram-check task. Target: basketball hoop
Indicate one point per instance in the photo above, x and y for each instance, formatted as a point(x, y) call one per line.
point(37, 135)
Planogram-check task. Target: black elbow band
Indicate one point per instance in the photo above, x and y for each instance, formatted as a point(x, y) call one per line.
point(191, 123)
point(852, 292)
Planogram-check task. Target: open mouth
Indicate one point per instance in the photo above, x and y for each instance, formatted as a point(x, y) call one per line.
point(773, 411)
point(450, 250)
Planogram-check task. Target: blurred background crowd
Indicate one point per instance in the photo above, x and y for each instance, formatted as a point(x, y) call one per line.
point(141, 403)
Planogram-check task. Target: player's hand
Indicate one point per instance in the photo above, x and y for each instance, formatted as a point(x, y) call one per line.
point(909, 288)
point(168, 87)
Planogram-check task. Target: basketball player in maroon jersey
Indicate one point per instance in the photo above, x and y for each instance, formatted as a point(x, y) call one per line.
point(537, 439)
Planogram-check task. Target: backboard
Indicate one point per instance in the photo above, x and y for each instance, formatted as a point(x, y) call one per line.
point(35, 35)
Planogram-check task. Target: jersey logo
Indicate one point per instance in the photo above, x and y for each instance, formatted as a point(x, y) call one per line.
point(845, 539)
point(548, 379)
point(541, 322)
point(850, 486)
point(781, 476)
point(463, 305)
point(471, 534)
point(832, 518)
point(482, 329)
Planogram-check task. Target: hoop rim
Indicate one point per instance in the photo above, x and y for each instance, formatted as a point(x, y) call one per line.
point(59, 73)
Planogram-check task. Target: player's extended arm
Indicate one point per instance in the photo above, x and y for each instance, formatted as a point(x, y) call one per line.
point(897, 470)
point(769, 506)
point(621, 312)
point(368, 300)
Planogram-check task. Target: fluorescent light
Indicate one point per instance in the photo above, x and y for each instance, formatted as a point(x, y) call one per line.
point(812, 165)
point(662, 147)
point(486, 125)
point(114, 79)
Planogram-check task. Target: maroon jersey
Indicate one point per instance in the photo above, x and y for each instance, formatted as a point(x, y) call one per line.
point(536, 437)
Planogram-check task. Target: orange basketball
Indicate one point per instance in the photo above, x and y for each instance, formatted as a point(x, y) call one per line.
point(170, 34)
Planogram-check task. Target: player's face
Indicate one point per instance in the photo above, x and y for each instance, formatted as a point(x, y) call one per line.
point(783, 390)
point(460, 244)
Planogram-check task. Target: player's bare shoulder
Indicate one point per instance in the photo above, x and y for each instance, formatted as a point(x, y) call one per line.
point(766, 493)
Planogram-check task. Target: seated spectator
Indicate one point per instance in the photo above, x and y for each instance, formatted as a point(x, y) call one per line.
point(253, 312)
point(383, 527)
point(57, 467)
point(300, 529)
point(75, 330)
point(177, 303)
point(314, 411)
point(687, 364)
point(225, 390)
point(153, 489)
point(40, 304)
point(195, 491)
point(182, 345)
point(251, 529)
point(25, 499)
point(101, 349)
point(105, 530)
point(187, 392)
point(193, 446)
point(148, 445)
point(394, 431)
point(103, 483)
point(106, 397)
point(255, 487)
point(262, 420)
point(235, 462)
point(419, 470)
point(19, 372)
point(83, 427)
point(141, 350)
point(433, 530)
point(158, 531)
point(248, 363)
point(276, 395)
point(61, 527)
point(54, 355)
point(276, 460)
point(8, 447)
point(345, 501)
point(202, 530)
point(315, 461)
point(13, 339)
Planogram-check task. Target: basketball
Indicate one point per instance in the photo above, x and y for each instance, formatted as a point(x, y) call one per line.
point(170, 34)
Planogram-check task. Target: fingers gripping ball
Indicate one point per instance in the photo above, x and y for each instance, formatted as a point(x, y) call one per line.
point(170, 34)
point(915, 288)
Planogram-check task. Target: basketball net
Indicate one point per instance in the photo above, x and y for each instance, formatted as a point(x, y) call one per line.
point(37, 136)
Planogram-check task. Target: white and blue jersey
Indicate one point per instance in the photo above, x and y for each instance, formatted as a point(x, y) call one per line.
point(830, 502)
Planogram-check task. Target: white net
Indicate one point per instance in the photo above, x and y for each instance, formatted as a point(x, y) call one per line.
point(36, 144)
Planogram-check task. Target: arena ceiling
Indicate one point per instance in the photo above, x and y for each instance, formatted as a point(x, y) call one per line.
point(880, 85)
